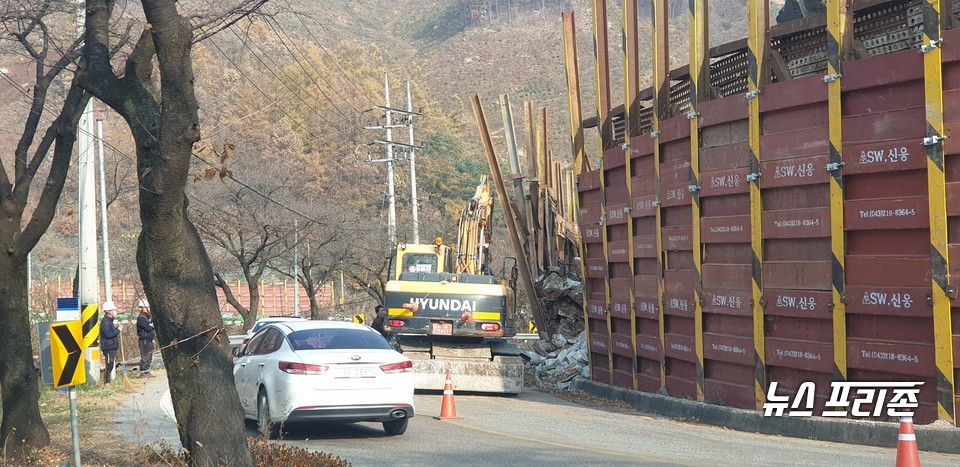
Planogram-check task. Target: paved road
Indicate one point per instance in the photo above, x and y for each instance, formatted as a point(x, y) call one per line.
point(535, 428)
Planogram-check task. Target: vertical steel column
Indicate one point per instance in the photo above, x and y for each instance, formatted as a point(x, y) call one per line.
point(699, 92)
point(661, 102)
point(758, 22)
point(605, 125)
point(839, 20)
point(631, 105)
point(580, 160)
point(936, 186)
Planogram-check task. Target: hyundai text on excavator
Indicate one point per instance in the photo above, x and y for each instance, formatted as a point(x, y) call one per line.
point(449, 312)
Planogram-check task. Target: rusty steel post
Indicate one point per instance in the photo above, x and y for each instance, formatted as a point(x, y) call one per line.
point(581, 159)
point(606, 140)
point(661, 106)
point(546, 327)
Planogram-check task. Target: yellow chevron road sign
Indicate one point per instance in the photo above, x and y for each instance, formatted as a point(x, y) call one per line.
point(66, 354)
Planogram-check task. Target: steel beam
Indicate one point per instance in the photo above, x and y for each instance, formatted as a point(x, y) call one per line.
point(936, 186)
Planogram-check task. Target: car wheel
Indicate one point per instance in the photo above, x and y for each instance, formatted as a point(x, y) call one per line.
point(267, 428)
point(395, 427)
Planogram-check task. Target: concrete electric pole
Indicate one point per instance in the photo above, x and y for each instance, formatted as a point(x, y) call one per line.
point(107, 283)
point(413, 170)
point(408, 149)
point(296, 266)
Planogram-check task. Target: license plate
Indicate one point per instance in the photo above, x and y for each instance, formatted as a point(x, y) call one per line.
point(356, 373)
point(442, 329)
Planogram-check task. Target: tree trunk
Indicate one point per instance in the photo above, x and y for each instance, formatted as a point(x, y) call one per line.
point(22, 427)
point(178, 280)
point(174, 267)
point(253, 286)
point(249, 319)
point(312, 296)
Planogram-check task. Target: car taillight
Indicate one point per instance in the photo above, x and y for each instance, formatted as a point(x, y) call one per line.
point(302, 368)
point(490, 327)
point(396, 323)
point(401, 367)
point(245, 340)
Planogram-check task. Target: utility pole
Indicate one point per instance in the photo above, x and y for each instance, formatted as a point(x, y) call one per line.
point(413, 170)
point(390, 159)
point(107, 283)
point(88, 287)
point(87, 248)
point(87, 198)
point(296, 267)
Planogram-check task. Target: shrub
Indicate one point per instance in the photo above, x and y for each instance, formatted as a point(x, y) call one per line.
point(274, 454)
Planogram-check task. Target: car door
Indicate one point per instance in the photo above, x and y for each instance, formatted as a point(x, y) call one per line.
point(263, 360)
point(242, 374)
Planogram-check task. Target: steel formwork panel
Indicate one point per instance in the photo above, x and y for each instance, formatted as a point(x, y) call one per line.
point(873, 218)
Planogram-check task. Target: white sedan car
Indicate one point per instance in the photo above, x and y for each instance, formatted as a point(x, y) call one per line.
point(310, 371)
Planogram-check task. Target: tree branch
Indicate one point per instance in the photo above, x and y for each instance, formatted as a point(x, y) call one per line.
point(209, 27)
point(139, 66)
point(66, 125)
point(228, 294)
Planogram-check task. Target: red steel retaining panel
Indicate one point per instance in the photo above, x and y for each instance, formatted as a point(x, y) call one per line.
point(620, 276)
point(595, 268)
point(646, 267)
point(679, 275)
point(886, 218)
point(727, 256)
point(796, 235)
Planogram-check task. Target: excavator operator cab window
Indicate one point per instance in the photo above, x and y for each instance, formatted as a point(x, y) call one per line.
point(451, 261)
point(413, 262)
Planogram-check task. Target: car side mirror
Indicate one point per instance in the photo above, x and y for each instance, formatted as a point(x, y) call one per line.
point(236, 351)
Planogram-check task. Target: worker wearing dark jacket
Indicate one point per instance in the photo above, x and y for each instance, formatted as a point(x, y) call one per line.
point(380, 320)
point(145, 333)
point(109, 339)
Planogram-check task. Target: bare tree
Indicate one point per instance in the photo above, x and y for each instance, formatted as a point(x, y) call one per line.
point(239, 223)
point(322, 250)
point(26, 23)
point(162, 113)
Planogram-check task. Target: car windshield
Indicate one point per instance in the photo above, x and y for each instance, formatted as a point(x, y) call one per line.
point(260, 324)
point(313, 339)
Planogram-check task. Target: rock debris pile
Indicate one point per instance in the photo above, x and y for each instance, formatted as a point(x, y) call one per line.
point(557, 362)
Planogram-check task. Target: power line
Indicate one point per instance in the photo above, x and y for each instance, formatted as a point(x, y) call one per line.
point(331, 57)
point(275, 75)
point(319, 88)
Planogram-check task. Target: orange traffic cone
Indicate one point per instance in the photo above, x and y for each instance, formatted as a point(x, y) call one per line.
point(907, 455)
point(448, 411)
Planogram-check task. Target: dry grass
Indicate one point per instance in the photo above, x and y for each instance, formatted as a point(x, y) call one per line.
point(97, 407)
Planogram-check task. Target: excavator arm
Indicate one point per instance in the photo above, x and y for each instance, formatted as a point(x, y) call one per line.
point(473, 237)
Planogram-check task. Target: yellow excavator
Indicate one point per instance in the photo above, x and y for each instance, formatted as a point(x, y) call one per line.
point(449, 312)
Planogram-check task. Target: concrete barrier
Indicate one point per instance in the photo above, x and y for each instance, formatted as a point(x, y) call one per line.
point(944, 439)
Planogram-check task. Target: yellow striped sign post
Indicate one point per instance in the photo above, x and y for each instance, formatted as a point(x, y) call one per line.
point(839, 22)
point(699, 90)
point(90, 317)
point(757, 23)
point(936, 186)
point(661, 102)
